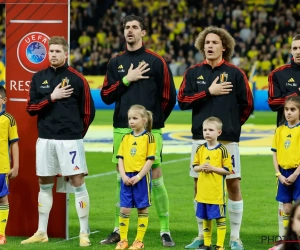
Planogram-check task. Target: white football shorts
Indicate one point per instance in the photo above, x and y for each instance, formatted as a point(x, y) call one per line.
point(233, 149)
point(60, 157)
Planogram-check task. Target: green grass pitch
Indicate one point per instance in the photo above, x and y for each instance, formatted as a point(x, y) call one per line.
point(258, 189)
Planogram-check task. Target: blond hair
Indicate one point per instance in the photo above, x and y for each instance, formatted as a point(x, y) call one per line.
point(146, 114)
point(227, 40)
point(296, 37)
point(59, 40)
point(214, 120)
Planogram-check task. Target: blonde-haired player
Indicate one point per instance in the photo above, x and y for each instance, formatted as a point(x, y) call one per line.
point(65, 110)
point(213, 162)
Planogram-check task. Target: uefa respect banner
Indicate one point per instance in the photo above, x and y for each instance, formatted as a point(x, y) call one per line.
point(29, 25)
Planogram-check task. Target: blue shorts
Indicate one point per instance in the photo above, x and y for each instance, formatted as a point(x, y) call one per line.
point(3, 185)
point(288, 194)
point(138, 195)
point(210, 211)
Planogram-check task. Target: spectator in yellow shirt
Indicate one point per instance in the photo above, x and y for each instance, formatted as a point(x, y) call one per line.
point(265, 65)
point(253, 52)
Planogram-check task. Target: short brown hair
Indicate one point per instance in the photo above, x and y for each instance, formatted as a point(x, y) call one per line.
point(214, 120)
point(60, 40)
point(134, 18)
point(228, 41)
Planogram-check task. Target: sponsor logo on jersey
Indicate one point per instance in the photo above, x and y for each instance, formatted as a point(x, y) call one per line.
point(200, 80)
point(120, 68)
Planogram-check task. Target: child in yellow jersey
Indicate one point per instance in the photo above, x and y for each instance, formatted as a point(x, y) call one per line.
point(286, 157)
point(213, 162)
point(136, 155)
point(8, 138)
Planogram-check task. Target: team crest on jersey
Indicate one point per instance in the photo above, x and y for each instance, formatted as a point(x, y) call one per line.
point(133, 151)
point(32, 51)
point(287, 143)
point(223, 77)
point(65, 82)
point(142, 62)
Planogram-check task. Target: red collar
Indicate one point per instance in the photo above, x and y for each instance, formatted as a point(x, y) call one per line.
point(205, 62)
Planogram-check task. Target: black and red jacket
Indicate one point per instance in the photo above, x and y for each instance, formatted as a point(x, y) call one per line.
point(233, 109)
point(156, 93)
point(64, 119)
point(283, 83)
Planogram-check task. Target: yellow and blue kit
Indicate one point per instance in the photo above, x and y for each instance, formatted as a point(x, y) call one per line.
point(211, 186)
point(286, 144)
point(8, 134)
point(135, 151)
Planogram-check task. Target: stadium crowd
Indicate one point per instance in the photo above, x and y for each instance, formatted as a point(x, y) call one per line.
point(262, 32)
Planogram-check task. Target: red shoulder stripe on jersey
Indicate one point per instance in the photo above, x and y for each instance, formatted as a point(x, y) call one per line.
point(276, 101)
point(183, 98)
point(34, 107)
point(248, 93)
point(279, 101)
point(167, 82)
point(111, 88)
point(271, 84)
point(105, 82)
point(87, 99)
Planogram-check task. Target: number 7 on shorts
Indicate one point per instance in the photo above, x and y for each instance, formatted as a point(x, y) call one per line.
point(74, 155)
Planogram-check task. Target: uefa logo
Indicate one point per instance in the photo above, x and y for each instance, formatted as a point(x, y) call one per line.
point(32, 51)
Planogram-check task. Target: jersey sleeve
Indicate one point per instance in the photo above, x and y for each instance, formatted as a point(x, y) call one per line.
point(227, 163)
point(151, 147)
point(276, 97)
point(275, 140)
point(244, 97)
point(197, 156)
point(87, 107)
point(13, 131)
point(167, 87)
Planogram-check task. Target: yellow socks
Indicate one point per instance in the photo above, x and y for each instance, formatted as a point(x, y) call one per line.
point(142, 226)
point(221, 231)
point(207, 231)
point(123, 225)
point(4, 210)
